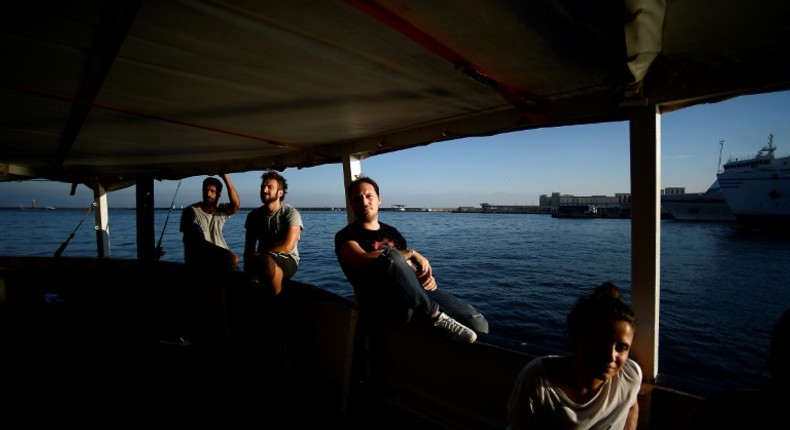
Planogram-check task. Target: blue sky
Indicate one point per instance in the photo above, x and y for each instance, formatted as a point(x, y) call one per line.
point(513, 168)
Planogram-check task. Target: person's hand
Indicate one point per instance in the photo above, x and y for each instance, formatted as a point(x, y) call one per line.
point(428, 283)
point(234, 259)
point(422, 266)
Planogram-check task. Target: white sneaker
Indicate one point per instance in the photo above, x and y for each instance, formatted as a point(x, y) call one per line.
point(454, 330)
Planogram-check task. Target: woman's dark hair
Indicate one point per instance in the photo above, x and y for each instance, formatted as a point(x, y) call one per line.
point(602, 306)
point(281, 183)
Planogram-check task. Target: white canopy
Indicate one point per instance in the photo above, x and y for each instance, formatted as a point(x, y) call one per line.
point(99, 91)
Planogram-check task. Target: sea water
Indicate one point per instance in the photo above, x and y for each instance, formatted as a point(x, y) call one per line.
point(721, 288)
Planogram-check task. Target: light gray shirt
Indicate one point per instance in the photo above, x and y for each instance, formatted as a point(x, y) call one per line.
point(210, 224)
point(269, 229)
point(537, 403)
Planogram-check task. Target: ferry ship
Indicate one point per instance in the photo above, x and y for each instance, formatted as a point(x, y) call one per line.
point(757, 189)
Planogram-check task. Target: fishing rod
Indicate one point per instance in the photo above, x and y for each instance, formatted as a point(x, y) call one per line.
point(159, 251)
point(71, 236)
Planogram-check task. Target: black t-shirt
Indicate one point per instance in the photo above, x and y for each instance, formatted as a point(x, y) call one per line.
point(369, 240)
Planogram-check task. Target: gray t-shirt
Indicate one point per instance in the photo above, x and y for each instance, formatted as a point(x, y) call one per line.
point(210, 224)
point(269, 229)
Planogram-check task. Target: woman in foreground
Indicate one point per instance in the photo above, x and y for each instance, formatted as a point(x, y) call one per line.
point(595, 387)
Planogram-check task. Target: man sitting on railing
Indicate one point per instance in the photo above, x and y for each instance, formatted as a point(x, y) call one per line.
point(393, 284)
point(201, 224)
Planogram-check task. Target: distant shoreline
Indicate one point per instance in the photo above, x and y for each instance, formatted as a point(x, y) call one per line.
point(325, 209)
point(488, 209)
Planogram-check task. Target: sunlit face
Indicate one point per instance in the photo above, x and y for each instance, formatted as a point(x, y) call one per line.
point(365, 202)
point(270, 191)
point(211, 195)
point(604, 349)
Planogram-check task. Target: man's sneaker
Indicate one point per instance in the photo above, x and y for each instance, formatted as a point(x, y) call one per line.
point(454, 330)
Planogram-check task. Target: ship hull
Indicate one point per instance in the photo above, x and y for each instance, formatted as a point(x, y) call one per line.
point(759, 199)
point(702, 207)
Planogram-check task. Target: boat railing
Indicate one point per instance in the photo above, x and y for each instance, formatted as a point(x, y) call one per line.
point(316, 351)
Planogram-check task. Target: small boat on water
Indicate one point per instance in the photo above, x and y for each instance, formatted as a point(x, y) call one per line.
point(111, 94)
point(576, 211)
point(591, 211)
point(34, 205)
point(757, 189)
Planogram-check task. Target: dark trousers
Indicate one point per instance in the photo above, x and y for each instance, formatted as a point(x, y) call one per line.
point(395, 297)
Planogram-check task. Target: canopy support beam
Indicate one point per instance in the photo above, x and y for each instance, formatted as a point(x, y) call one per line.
point(101, 216)
point(645, 141)
point(146, 244)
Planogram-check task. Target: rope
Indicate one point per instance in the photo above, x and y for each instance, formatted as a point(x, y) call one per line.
point(159, 250)
point(71, 236)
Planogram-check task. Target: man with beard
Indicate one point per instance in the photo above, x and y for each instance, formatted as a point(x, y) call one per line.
point(271, 254)
point(202, 223)
point(393, 283)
